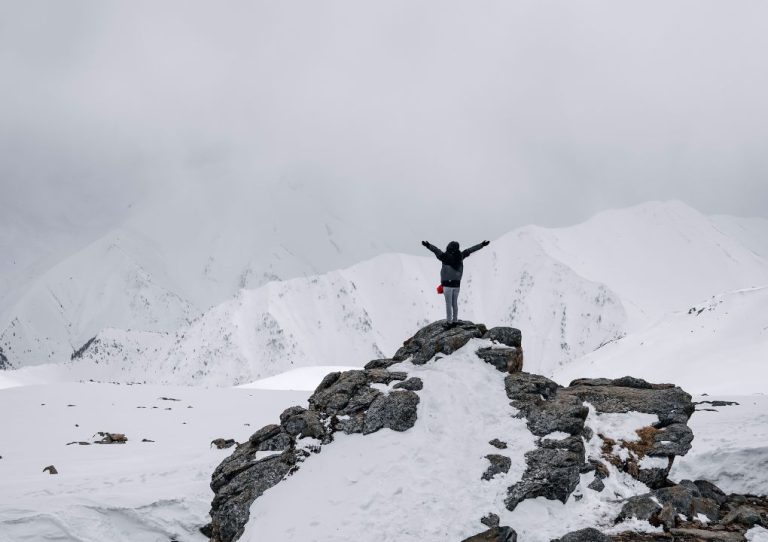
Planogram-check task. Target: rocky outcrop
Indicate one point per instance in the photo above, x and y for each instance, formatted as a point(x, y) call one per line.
point(696, 505)
point(4, 363)
point(344, 401)
point(351, 402)
point(553, 468)
point(437, 338)
point(494, 534)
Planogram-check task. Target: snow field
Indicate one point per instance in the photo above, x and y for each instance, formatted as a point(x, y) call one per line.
point(138, 491)
point(730, 445)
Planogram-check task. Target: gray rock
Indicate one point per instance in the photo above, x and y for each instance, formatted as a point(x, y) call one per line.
point(670, 404)
point(585, 535)
point(561, 413)
point(491, 520)
point(343, 393)
point(298, 422)
point(528, 386)
point(499, 464)
point(437, 338)
point(383, 376)
point(353, 424)
point(640, 507)
point(550, 473)
point(702, 535)
point(380, 363)
point(496, 534)
point(506, 360)
point(237, 482)
point(674, 439)
point(4, 363)
point(597, 484)
point(412, 384)
point(745, 515)
point(496, 443)
point(271, 438)
point(509, 336)
point(711, 491)
point(396, 411)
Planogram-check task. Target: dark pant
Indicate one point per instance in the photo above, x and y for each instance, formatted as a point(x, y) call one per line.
point(451, 303)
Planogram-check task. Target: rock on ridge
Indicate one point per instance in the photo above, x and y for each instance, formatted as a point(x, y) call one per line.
point(344, 401)
point(554, 467)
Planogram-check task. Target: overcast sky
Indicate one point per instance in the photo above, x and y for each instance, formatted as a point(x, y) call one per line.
point(478, 115)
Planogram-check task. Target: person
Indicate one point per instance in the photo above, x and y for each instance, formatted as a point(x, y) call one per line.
point(450, 274)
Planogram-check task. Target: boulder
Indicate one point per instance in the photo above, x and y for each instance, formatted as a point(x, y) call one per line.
point(499, 464)
point(384, 363)
point(670, 403)
point(551, 473)
point(237, 482)
point(396, 411)
point(438, 338)
point(509, 336)
point(412, 384)
point(271, 438)
point(584, 535)
point(506, 360)
point(300, 423)
point(495, 534)
point(343, 393)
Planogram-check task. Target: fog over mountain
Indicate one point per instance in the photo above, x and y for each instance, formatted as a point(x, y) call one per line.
point(455, 118)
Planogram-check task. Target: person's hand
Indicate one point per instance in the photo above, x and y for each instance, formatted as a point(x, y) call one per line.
point(425, 243)
point(486, 243)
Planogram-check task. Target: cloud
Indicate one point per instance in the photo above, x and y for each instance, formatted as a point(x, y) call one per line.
point(477, 117)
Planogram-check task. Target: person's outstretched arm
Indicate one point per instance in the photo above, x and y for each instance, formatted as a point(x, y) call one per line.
point(439, 253)
point(475, 248)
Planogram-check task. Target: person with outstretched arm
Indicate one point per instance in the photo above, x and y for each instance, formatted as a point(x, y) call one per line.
point(450, 274)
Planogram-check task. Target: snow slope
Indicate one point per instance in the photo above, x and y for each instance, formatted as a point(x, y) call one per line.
point(133, 492)
point(570, 290)
point(657, 257)
point(716, 346)
point(379, 483)
point(360, 313)
point(173, 258)
point(730, 447)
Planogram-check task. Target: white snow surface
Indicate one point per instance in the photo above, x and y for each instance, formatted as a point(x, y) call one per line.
point(730, 446)
point(716, 346)
point(138, 491)
point(421, 484)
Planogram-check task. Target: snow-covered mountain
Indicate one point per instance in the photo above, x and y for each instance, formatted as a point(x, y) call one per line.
point(570, 290)
point(173, 258)
point(708, 348)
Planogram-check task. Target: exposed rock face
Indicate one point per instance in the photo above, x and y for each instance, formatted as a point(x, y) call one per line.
point(344, 401)
point(666, 439)
point(678, 510)
point(585, 535)
point(495, 534)
point(506, 359)
point(4, 363)
point(499, 464)
point(553, 468)
point(412, 384)
point(437, 338)
point(237, 482)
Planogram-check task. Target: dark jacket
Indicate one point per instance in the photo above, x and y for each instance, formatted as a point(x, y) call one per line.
point(453, 262)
